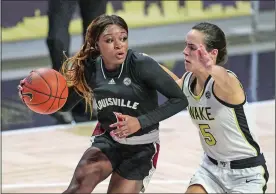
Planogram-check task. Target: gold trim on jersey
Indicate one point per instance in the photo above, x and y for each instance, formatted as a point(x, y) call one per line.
point(183, 81)
point(241, 132)
point(197, 97)
point(264, 178)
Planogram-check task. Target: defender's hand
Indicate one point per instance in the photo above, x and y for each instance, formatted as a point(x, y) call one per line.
point(204, 58)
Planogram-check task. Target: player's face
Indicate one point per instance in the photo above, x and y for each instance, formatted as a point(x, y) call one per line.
point(193, 39)
point(113, 45)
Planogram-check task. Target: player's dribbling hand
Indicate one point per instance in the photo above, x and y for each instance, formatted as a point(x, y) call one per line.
point(204, 58)
point(125, 126)
point(19, 87)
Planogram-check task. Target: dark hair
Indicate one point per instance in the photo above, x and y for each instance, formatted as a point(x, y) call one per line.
point(214, 39)
point(73, 67)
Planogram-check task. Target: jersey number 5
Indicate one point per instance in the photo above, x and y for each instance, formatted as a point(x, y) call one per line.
point(209, 138)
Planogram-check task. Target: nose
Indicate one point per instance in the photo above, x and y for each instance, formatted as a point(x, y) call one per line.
point(185, 51)
point(118, 45)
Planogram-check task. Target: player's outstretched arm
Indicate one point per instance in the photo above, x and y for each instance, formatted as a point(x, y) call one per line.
point(227, 87)
point(150, 72)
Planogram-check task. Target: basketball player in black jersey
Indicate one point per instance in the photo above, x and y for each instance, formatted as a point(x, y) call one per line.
point(124, 84)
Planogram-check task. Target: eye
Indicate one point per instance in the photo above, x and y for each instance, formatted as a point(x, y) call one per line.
point(109, 40)
point(124, 38)
point(193, 48)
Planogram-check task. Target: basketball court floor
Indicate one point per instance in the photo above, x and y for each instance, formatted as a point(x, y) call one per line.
point(43, 160)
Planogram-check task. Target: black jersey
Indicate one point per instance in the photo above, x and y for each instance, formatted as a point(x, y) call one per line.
point(131, 90)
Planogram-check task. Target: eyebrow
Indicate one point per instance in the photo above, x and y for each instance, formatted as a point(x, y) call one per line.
point(111, 34)
point(190, 44)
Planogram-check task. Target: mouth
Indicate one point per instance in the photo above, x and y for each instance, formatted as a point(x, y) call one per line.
point(120, 55)
point(186, 61)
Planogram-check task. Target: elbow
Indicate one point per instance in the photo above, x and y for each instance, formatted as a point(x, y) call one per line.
point(184, 102)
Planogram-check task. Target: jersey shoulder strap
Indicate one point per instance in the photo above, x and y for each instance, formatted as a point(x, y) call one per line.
point(185, 84)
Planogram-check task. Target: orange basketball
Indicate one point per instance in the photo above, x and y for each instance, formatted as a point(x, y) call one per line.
point(45, 91)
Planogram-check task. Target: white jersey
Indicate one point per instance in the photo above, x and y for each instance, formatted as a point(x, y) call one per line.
point(223, 128)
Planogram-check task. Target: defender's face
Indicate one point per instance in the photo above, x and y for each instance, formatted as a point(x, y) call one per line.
point(193, 39)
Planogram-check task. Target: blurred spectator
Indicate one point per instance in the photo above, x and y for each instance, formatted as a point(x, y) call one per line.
point(20, 10)
point(159, 4)
point(224, 4)
point(117, 5)
point(181, 3)
point(60, 13)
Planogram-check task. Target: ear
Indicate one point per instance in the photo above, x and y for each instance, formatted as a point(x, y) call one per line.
point(214, 52)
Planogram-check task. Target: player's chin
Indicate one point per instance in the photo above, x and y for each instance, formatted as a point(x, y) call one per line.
point(188, 66)
point(119, 60)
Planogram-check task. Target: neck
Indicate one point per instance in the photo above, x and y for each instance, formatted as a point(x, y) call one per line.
point(110, 66)
point(201, 78)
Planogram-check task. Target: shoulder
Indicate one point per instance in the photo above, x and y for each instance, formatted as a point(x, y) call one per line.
point(237, 96)
point(185, 75)
point(183, 79)
point(232, 74)
point(89, 68)
point(90, 63)
point(141, 59)
point(234, 78)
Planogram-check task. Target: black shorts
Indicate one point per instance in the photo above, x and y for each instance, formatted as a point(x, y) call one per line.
point(132, 162)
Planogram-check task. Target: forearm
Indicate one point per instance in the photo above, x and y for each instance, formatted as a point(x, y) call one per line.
point(72, 100)
point(156, 78)
point(166, 110)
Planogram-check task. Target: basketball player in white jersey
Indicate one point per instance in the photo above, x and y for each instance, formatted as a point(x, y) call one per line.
point(233, 161)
